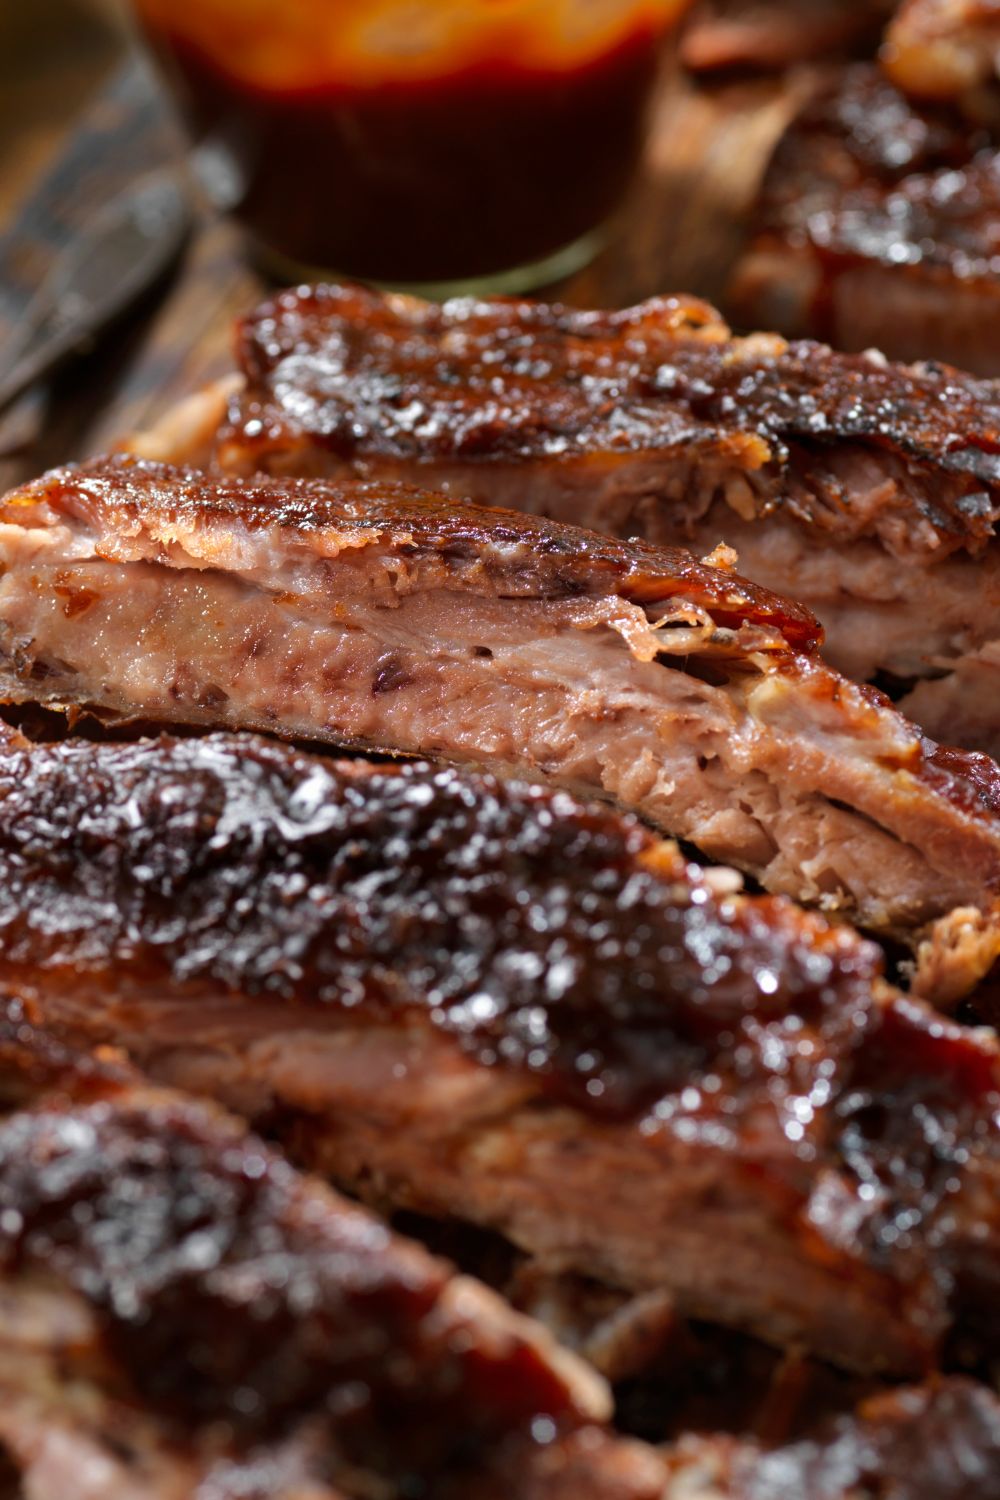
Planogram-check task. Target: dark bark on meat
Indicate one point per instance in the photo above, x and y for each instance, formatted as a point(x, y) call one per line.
point(490, 1001)
point(868, 490)
point(768, 34)
point(340, 376)
point(876, 227)
point(619, 669)
point(558, 938)
point(231, 1303)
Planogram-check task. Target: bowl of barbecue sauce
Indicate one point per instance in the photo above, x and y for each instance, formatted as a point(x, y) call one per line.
point(439, 145)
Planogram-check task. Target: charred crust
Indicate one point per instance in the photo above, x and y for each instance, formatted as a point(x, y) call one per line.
point(661, 378)
point(473, 547)
point(597, 968)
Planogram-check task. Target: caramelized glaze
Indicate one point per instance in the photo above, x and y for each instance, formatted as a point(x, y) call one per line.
point(376, 381)
point(543, 934)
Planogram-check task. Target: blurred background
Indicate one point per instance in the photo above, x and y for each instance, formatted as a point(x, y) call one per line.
point(84, 118)
point(53, 55)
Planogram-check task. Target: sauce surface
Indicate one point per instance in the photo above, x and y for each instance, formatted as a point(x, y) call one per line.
point(421, 143)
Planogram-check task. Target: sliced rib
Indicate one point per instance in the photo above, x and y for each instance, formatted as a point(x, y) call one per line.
point(485, 1000)
point(185, 1315)
point(866, 489)
point(876, 226)
point(376, 616)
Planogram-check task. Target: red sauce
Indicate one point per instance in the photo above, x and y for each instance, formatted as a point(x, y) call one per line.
point(477, 164)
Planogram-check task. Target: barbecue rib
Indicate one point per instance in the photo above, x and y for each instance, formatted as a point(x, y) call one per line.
point(379, 616)
point(868, 490)
point(877, 226)
point(934, 1442)
point(183, 1314)
point(775, 33)
point(481, 999)
point(948, 51)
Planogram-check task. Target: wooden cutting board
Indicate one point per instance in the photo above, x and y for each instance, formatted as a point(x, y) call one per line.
point(679, 231)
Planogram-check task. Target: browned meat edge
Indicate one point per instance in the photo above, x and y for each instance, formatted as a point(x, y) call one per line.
point(876, 227)
point(487, 1000)
point(382, 617)
point(337, 375)
point(867, 489)
point(155, 1259)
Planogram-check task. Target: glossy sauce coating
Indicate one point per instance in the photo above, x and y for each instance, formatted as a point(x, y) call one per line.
point(548, 940)
point(924, 1097)
point(380, 379)
point(863, 176)
point(231, 1289)
point(442, 541)
point(544, 935)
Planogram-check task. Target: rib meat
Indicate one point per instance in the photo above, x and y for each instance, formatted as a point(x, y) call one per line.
point(868, 490)
point(184, 1315)
point(485, 1000)
point(775, 33)
point(878, 225)
point(376, 616)
point(947, 50)
point(935, 1442)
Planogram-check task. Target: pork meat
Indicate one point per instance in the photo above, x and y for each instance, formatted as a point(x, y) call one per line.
point(379, 617)
point(481, 1000)
point(866, 489)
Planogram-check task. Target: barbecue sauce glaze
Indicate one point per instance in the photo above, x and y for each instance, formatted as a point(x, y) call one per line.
point(360, 144)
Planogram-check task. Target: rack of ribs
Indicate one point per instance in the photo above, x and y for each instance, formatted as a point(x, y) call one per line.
point(488, 1001)
point(185, 1315)
point(868, 489)
point(770, 34)
point(876, 226)
point(379, 617)
point(947, 51)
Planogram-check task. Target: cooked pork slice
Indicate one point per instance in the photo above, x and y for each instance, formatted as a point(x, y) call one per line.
point(947, 50)
point(377, 616)
point(485, 1000)
point(878, 225)
point(775, 33)
point(867, 490)
point(183, 1314)
point(940, 1441)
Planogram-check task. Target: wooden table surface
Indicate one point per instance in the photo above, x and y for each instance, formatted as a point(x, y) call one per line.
point(74, 98)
